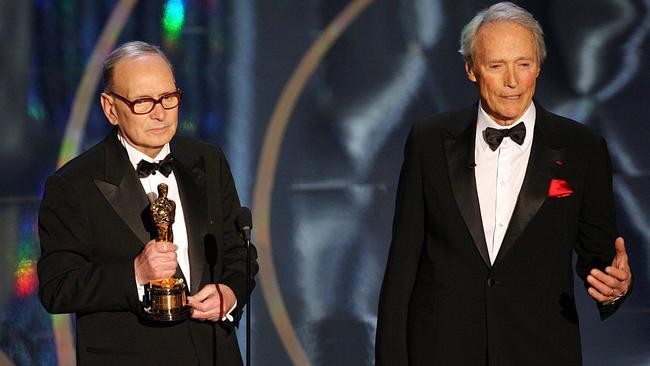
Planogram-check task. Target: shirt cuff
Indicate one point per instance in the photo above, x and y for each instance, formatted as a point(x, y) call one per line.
point(615, 300)
point(228, 316)
point(140, 291)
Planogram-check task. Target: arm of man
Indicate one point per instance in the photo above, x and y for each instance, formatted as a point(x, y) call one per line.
point(157, 260)
point(609, 287)
point(214, 303)
point(69, 281)
point(596, 233)
point(391, 346)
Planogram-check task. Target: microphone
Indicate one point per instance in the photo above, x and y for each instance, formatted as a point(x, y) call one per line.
point(244, 222)
point(211, 252)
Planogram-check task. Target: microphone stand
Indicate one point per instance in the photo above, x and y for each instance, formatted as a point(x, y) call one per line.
point(248, 300)
point(244, 224)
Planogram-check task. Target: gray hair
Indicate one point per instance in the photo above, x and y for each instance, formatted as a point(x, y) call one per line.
point(500, 12)
point(129, 50)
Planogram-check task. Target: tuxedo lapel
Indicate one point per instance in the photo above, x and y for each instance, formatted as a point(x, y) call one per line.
point(459, 150)
point(190, 176)
point(122, 189)
point(534, 189)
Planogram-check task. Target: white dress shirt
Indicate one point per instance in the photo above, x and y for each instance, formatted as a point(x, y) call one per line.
point(150, 185)
point(499, 176)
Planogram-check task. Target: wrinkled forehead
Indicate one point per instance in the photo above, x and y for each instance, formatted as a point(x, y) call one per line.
point(507, 39)
point(147, 75)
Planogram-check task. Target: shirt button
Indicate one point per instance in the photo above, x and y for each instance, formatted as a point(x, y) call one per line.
point(503, 183)
point(500, 225)
point(491, 282)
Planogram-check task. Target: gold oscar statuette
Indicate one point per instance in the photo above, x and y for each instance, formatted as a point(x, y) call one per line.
point(165, 298)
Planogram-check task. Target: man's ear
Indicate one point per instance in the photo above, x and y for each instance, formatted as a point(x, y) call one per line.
point(109, 110)
point(470, 72)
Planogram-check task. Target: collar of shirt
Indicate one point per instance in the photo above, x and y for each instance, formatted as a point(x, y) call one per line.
point(136, 155)
point(484, 121)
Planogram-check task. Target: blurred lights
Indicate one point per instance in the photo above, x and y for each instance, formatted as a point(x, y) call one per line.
point(173, 19)
point(67, 7)
point(36, 112)
point(188, 127)
point(26, 278)
point(35, 109)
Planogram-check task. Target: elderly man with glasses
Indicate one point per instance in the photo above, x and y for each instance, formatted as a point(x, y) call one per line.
point(96, 229)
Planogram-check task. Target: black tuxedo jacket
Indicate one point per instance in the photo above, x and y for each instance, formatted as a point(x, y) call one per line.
point(442, 302)
point(93, 222)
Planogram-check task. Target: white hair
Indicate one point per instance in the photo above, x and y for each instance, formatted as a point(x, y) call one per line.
point(500, 12)
point(125, 51)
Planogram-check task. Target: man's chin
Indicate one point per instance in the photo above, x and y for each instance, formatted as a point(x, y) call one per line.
point(510, 117)
point(156, 144)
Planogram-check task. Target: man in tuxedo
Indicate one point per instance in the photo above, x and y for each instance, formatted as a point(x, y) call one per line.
point(492, 201)
point(96, 231)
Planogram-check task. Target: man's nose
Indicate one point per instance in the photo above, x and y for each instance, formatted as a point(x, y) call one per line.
point(158, 112)
point(511, 77)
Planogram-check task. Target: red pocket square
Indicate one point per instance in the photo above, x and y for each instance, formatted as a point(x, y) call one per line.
point(559, 188)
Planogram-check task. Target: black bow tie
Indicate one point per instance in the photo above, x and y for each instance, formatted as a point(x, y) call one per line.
point(493, 136)
point(146, 168)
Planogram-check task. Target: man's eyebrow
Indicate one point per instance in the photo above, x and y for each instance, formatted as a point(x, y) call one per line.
point(501, 60)
point(153, 97)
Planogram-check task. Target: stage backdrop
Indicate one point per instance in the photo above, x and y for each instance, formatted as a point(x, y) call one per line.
point(311, 101)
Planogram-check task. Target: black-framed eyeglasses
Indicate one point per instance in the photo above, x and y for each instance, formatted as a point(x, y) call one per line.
point(146, 105)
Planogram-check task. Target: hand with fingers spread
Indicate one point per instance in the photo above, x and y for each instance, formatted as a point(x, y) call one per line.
point(213, 302)
point(157, 260)
point(614, 283)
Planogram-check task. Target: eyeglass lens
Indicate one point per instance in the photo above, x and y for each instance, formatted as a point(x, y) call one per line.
point(146, 105)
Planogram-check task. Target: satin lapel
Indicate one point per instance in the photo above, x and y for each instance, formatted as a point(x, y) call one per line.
point(122, 189)
point(534, 189)
point(459, 149)
point(190, 176)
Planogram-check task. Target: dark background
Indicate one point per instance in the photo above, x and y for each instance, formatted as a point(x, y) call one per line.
point(333, 194)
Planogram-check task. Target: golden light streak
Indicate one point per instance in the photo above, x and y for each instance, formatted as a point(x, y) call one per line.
point(61, 323)
point(266, 170)
point(86, 90)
